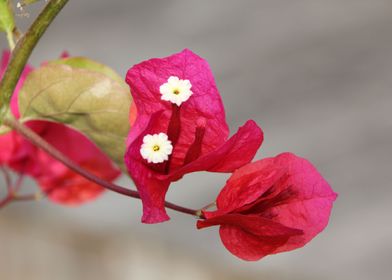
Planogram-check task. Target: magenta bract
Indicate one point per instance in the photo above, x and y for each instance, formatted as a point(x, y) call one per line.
point(196, 128)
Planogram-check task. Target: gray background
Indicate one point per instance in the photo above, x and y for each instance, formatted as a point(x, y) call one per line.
point(316, 75)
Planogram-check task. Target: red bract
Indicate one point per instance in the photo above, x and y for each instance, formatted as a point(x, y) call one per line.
point(270, 206)
point(17, 153)
point(61, 185)
point(176, 96)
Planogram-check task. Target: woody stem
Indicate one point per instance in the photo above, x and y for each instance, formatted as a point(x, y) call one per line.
point(44, 145)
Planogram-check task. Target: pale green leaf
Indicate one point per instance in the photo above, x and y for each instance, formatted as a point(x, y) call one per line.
point(89, 101)
point(7, 22)
point(86, 63)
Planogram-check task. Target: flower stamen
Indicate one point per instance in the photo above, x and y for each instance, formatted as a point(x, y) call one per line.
point(155, 148)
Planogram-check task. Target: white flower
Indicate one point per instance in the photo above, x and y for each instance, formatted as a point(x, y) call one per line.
point(176, 90)
point(156, 148)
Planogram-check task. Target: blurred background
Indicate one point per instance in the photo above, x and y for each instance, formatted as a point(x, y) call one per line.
point(316, 75)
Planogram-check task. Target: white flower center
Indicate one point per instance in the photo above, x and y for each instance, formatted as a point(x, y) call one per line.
point(176, 90)
point(156, 148)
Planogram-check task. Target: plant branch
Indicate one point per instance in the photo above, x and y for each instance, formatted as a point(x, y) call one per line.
point(41, 143)
point(22, 52)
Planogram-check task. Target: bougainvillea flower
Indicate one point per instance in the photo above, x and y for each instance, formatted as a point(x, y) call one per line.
point(176, 98)
point(270, 206)
point(61, 185)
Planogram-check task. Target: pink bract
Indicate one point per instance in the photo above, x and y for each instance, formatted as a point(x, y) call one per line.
point(197, 129)
point(62, 185)
point(270, 206)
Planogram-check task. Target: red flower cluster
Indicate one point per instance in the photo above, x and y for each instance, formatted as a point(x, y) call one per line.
point(60, 184)
point(269, 206)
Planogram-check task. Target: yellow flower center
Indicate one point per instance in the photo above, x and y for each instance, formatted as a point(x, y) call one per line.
point(155, 148)
point(176, 91)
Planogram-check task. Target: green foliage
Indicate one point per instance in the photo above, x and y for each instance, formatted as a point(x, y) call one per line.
point(86, 63)
point(7, 22)
point(83, 94)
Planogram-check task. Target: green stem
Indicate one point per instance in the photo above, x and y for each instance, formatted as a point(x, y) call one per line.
point(22, 52)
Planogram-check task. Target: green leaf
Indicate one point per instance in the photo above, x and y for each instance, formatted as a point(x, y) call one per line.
point(86, 63)
point(7, 22)
point(90, 101)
